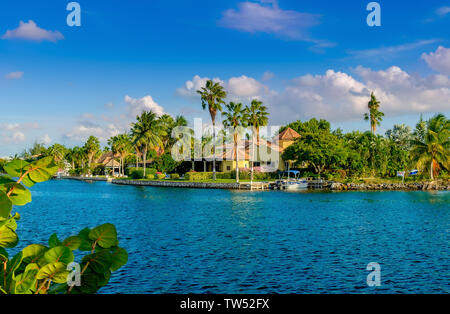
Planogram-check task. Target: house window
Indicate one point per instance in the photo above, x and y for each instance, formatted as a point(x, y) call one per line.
point(228, 168)
point(257, 164)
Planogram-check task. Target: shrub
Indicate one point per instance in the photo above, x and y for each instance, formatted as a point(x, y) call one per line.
point(161, 176)
point(198, 176)
point(175, 176)
point(150, 176)
point(137, 174)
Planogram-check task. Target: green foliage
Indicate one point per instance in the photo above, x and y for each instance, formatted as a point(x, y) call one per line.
point(165, 163)
point(198, 176)
point(40, 269)
point(160, 176)
point(174, 176)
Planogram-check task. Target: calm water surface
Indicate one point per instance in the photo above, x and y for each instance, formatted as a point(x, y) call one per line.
point(218, 241)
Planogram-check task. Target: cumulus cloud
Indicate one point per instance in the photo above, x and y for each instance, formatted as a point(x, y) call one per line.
point(136, 106)
point(439, 60)
point(239, 88)
point(338, 96)
point(254, 17)
point(84, 129)
point(46, 140)
point(14, 75)
point(30, 31)
point(18, 137)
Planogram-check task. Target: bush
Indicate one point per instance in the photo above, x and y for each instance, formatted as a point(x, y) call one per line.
point(160, 176)
point(175, 176)
point(137, 174)
point(198, 176)
point(150, 176)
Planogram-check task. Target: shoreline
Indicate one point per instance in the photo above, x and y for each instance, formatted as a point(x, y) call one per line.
point(334, 186)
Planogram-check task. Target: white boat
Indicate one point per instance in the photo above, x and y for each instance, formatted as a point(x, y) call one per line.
point(290, 181)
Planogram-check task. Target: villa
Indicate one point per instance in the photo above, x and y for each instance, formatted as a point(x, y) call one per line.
point(267, 154)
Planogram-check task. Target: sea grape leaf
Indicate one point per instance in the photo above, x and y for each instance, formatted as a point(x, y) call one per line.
point(119, 258)
point(59, 254)
point(86, 243)
point(25, 281)
point(57, 272)
point(16, 167)
point(105, 235)
point(73, 243)
point(3, 255)
point(8, 237)
point(5, 205)
point(42, 169)
point(53, 241)
point(20, 195)
point(100, 262)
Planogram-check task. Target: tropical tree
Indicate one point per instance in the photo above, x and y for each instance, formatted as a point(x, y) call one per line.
point(58, 152)
point(147, 132)
point(432, 148)
point(236, 118)
point(257, 117)
point(121, 145)
point(375, 116)
point(92, 148)
point(213, 97)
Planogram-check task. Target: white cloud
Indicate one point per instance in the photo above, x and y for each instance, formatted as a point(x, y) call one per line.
point(443, 11)
point(14, 75)
point(338, 96)
point(439, 60)
point(30, 31)
point(137, 106)
point(84, 129)
point(46, 140)
point(239, 88)
point(253, 17)
point(267, 76)
point(385, 52)
point(18, 137)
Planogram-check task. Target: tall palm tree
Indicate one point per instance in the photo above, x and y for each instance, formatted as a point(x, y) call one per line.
point(147, 133)
point(235, 117)
point(213, 96)
point(121, 145)
point(257, 117)
point(374, 116)
point(57, 151)
point(92, 148)
point(432, 148)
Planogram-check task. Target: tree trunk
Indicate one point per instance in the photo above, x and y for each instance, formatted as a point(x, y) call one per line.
point(236, 157)
point(214, 151)
point(144, 158)
point(431, 170)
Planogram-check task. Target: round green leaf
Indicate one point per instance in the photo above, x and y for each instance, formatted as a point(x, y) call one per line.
point(119, 258)
point(105, 235)
point(33, 252)
point(57, 272)
point(5, 205)
point(72, 243)
point(100, 262)
point(53, 241)
point(15, 167)
point(86, 243)
point(20, 195)
point(59, 254)
point(25, 281)
point(8, 237)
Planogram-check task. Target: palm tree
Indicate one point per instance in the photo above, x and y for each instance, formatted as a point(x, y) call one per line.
point(92, 147)
point(120, 144)
point(213, 95)
point(57, 151)
point(374, 116)
point(257, 117)
point(432, 146)
point(235, 117)
point(147, 133)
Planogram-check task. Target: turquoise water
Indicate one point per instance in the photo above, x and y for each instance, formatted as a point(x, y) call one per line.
point(219, 241)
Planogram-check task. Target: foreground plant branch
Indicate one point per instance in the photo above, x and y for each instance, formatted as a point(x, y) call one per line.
point(42, 269)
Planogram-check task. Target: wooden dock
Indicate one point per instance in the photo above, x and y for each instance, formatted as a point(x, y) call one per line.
point(255, 186)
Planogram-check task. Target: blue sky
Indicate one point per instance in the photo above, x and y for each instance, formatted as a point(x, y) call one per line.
point(302, 58)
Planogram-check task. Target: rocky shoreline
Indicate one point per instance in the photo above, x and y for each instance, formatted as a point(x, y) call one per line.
point(416, 186)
